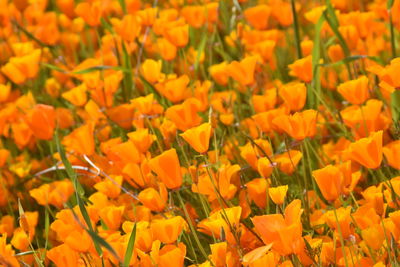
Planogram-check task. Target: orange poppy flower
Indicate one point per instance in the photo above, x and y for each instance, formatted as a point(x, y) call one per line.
point(243, 71)
point(56, 193)
point(294, 95)
point(167, 168)
point(151, 70)
point(128, 28)
point(355, 91)
point(185, 115)
point(374, 236)
point(302, 69)
point(142, 139)
point(265, 167)
point(264, 120)
point(278, 194)
point(284, 232)
point(81, 140)
point(219, 72)
point(5, 90)
point(166, 49)
point(174, 89)
point(194, 15)
point(257, 190)
point(77, 95)
point(288, 161)
point(146, 105)
point(171, 255)
point(147, 15)
point(124, 153)
point(177, 33)
point(7, 252)
point(198, 137)
point(298, 126)
point(112, 216)
point(153, 199)
point(366, 119)
point(330, 181)
point(167, 230)
point(21, 68)
point(282, 12)
point(4, 154)
point(64, 256)
point(341, 219)
point(225, 219)
point(110, 188)
point(335, 52)
point(392, 154)
point(258, 16)
point(264, 102)
point(367, 151)
point(41, 120)
point(90, 12)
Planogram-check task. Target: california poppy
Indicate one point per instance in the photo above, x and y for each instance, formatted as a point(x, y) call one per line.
point(302, 69)
point(257, 190)
point(81, 140)
point(194, 15)
point(285, 232)
point(167, 230)
point(167, 168)
point(288, 161)
point(278, 194)
point(294, 95)
point(153, 199)
point(177, 33)
point(198, 137)
point(41, 120)
point(258, 16)
point(243, 71)
point(367, 151)
point(151, 70)
point(21, 68)
point(90, 12)
point(330, 182)
point(219, 72)
point(185, 115)
point(355, 91)
point(298, 126)
point(391, 152)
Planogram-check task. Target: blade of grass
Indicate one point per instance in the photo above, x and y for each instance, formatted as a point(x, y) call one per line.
point(129, 248)
point(391, 27)
point(72, 175)
point(296, 29)
point(316, 55)
point(330, 16)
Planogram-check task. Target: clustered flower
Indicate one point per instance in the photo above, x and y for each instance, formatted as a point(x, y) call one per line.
point(199, 133)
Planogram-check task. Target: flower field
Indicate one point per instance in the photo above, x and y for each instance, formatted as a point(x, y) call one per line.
point(199, 133)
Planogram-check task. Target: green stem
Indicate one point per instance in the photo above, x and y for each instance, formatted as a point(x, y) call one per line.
point(296, 29)
point(392, 35)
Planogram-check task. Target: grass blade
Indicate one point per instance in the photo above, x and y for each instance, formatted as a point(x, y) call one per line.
point(129, 248)
point(316, 55)
point(296, 29)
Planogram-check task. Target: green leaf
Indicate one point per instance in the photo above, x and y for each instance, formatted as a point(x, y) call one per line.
point(200, 50)
point(389, 4)
point(316, 55)
point(84, 71)
point(123, 5)
point(395, 104)
point(129, 248)
point(72, 175)
point(128, 77)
